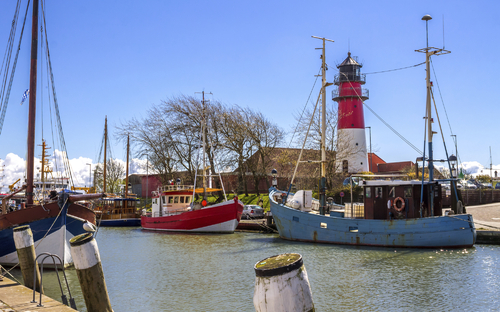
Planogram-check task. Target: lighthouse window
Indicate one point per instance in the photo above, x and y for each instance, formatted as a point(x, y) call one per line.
point(356, 144)
point(352, 125)
point(355, 106)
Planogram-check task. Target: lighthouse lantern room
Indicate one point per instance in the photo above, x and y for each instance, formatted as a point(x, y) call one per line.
point(351, 140)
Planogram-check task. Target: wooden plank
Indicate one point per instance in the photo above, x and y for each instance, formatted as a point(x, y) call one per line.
point(18, 298)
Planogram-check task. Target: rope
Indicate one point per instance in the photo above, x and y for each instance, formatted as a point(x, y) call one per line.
point(56, 105)
point(390, 70)
point(3, 107)
point(8, 272)
point(52, 223)
point(444, 107)
point(305, 106)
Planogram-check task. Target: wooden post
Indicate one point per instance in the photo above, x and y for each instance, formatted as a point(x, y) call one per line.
point(89, 270)
point(23, 239)
point(281, 284)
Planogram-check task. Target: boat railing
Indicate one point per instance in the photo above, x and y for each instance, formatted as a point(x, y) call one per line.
point(168, 213)
point(176, 187)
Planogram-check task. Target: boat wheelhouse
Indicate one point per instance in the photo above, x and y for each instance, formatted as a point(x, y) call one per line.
point(118, 211)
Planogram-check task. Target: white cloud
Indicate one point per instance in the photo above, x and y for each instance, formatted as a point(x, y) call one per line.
point(15, 167)
point(474, 168)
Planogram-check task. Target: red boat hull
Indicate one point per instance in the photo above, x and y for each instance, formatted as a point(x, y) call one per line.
point(219, 218)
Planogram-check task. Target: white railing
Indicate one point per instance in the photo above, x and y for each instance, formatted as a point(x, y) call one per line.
point(176, 187)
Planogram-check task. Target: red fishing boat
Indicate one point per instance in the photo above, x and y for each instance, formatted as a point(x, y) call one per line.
point(174, 210)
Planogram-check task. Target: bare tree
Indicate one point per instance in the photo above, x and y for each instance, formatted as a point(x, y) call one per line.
point(265, 137)
point(115, 173)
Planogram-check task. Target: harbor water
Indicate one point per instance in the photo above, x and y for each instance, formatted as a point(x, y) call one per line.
point(152, 271)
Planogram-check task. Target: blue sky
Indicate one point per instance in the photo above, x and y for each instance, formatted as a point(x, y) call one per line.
point(118, 58)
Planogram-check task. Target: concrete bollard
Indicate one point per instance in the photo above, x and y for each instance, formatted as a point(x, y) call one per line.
point(281, 284)
point(23, 239)
point(89, 270)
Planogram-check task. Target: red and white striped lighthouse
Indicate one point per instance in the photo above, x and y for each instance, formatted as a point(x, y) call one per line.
point(351, 140)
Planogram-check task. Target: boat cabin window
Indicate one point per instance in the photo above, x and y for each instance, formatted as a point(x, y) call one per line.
point(392, 192)
point(163, 199)
point(170, 199)
point(182, 200)
point(176, 199)
point(188, 199)
point(368, 192)
point(408, 192)
point(378, 192)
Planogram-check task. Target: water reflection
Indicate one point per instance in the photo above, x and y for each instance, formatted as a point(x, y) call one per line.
point(151, 271)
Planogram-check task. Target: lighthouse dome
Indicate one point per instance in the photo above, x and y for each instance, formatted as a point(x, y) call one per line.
point(349, 70)
point(349, 61)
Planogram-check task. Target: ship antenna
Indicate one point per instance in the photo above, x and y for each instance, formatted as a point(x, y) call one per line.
point(426, 18)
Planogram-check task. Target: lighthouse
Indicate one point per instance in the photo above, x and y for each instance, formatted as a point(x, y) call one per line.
point(351, 140)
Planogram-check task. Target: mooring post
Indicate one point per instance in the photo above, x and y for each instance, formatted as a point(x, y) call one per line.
point(281, 284)
point(23, 239)
point(88, 267)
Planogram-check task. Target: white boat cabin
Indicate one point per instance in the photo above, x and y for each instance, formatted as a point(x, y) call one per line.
point(173, 199)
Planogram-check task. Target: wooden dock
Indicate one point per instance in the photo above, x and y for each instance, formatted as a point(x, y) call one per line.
point(256, 225)
point(17, 298)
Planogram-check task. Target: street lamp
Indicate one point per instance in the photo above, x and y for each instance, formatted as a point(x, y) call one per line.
point(370, 166)
point(274, 174)
point(453, 159)
point(90, 175)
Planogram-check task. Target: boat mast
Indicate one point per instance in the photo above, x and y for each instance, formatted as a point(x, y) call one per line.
point(204, 138)
point(32, 106)
point(105, 149)
point(322, 196)
point(204, 141)
point(126, 174)
point(429, 51)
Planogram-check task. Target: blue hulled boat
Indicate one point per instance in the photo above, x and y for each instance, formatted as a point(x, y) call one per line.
point(393, 213)
point(373, 223)
point(53, 221)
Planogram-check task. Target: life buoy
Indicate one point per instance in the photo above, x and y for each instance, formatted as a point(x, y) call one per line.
point(395, 204)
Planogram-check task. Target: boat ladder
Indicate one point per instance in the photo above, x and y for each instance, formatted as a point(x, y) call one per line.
point(63, 296)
